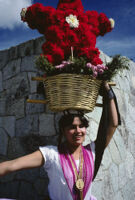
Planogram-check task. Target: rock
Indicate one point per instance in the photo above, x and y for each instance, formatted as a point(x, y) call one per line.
point(28, 64)
point(120, 144)
point(114, 152)
point(1, 86)
point(27, 125)
point(15, 148)
point(3, 141)
point(113, 175)
point(95, 192)
point(17, 86)
point(107, 187)
point(130, 165)
point(38, 44)
point(106, 161)
point(41, 186)
point(3, 58)
point(92, 130)
point(32, 108)
point(87, 140)
point(129, 122)
point(131, 144)
point(26, 49)
point(8, 178)
point(17, 108)
point(128, 191)
point(43, 173)
point(95, 114)
point(105, 58)
point(9, 190)
point(122, 175)
point(29, 175)
point(118, 196)
point(2, 106)
point(13, 53)
point(27, 192)
point(8, 124)
point(11, 69)
point(33, 84)
point(46, 125)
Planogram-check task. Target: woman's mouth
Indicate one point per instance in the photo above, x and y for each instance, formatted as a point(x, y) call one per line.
point(78, 137)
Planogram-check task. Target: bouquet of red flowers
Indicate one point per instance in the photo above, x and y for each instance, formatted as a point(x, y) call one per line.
point(69, 29)
point(70, 51)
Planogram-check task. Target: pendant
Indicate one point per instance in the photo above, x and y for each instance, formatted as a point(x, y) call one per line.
point(79, 184)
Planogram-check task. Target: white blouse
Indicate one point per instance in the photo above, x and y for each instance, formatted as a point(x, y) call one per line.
point(58, 188)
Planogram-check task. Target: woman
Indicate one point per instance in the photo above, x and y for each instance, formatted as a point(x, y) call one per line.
point(70, 166)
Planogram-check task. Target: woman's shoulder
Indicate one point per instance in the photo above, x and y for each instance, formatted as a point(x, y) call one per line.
point(50, 154)
point(49, 149)
point(91, 146)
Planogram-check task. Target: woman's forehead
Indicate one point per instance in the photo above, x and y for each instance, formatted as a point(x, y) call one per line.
point(76, 120)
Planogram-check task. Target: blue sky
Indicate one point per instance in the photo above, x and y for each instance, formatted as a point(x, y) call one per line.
point(120, 41)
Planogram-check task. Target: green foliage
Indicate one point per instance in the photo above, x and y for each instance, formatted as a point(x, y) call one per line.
point(118, 64)
point(43, 65)
point(78, 66)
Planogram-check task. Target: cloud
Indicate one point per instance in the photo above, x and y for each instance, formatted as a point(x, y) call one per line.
point(10, 12)
point(128, 42)
point(124, 46)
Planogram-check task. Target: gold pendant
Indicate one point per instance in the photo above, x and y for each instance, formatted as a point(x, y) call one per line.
point(79, 184)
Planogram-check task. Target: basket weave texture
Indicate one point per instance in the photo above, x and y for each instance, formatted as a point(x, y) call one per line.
point(71, 91)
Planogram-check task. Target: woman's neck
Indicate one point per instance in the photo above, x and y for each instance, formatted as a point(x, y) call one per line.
point(74, 151)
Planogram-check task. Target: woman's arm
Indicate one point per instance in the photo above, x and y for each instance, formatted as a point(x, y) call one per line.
point(113, 117)
point(32, 160)
point(110, 119)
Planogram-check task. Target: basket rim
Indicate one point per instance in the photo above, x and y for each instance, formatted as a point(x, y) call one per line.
point(73, 74)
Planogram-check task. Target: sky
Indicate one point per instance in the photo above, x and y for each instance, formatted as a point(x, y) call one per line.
point(120, 41)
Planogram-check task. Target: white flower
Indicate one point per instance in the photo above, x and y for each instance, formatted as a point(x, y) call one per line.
point(72, 21)
point(112, 22)
point(23, 12)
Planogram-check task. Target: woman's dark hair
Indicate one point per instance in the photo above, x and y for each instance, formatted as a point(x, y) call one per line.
point(66, 120)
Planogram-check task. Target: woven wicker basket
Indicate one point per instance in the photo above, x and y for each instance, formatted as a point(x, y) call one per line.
point(71, 91)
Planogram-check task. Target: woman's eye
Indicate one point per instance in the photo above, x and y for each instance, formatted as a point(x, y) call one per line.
point(81, 126)
point(72, 127)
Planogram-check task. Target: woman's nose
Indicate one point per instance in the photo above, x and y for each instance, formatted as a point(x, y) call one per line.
point(78, 129)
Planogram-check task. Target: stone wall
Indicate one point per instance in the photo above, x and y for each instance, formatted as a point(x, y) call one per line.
point(23, 126)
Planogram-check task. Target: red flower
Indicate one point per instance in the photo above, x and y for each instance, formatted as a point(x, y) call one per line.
point(96, 60)
point(54, 54)
point(60, 36)
point(58, 55)
point(54, 34)
point(49, 58)
point(104, 24)
point(71, 38)
point(70, 4)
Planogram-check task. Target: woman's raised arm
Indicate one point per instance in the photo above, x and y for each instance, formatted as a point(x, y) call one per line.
point(32, 160)
point(113, 117)
point(110, 119)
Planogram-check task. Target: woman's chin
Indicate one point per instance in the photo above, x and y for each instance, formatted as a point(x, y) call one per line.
point(78, 142)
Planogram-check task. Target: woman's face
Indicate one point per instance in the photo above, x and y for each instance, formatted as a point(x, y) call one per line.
point(75, 133)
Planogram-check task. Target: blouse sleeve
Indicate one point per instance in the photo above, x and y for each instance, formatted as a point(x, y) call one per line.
point(48, 153)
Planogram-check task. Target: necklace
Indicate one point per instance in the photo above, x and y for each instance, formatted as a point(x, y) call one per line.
point(79, 183)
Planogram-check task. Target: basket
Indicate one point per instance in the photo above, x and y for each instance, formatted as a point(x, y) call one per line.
point(71, 91)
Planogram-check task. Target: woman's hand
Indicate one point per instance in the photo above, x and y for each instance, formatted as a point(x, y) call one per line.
point(106, 85)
